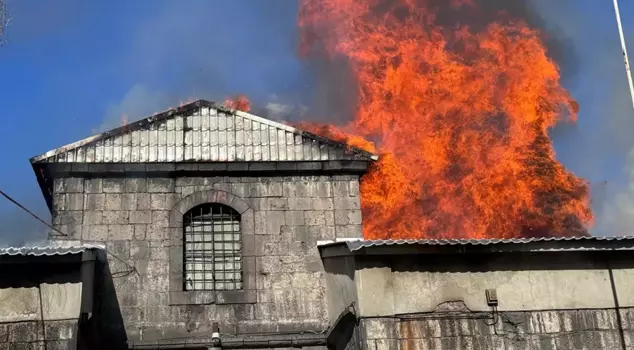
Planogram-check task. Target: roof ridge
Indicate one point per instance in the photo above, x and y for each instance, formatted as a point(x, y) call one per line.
point(184, 110)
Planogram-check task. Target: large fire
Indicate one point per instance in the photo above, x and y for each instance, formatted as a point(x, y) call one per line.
point(460, 116)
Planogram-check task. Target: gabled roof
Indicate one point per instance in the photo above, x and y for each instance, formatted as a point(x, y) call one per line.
point(202, 131)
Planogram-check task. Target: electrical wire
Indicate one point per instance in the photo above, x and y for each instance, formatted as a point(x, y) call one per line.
point(31, 213)
point(131, 268)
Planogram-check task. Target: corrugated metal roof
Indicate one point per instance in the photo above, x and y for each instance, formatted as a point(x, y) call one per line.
point(203, 131)
point(45, 251)
point(355, 245)
point(550, 243)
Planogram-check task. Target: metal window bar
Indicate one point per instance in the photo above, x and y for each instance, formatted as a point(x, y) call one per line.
point(213, 248)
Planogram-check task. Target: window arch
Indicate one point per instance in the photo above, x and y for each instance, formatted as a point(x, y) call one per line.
point(212, 248)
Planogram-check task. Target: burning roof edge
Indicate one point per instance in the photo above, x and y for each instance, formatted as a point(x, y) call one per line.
point(188, 108)
point(448, 246)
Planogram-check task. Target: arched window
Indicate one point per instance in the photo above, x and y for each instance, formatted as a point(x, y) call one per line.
point(212, 249)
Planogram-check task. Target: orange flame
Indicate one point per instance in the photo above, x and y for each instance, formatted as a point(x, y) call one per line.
point(238, 102)
point(461, 116)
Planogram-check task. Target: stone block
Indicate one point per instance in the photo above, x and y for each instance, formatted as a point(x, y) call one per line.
point(347, 203)
point(158, 201)
point(248, 245)
point(136, 185)
point(119, 248)
point(120, 232)
point(306, 189)
point(311, 234)
point(140, 231)
point(74, 201)
point(116, 217)
point(239, 204)
point(270, 203)
point(139, 250)
point(294, 217)
point(72, 230)
point(316, 217)
point(157, 233)
point(348, 217)
point(59, 202)
point(348, 231)
point(113, 201)
point(160, 185)
point(157, 276)
point(300, 203)
point(113, 185)
point(143, 201)
point(240, 189)
point(97, 233)
point(93, 217)
point(159, 253)
point(160, 218)
point(74, 185)
point(220, 186)
point(269, 222)
point(128, 201)
point(265, 311)
point(95, 201)
point(187, 190)
point(68, 218)
point(93, 185)
point(353, 188)
point(25, 332)
point(58, 186)
point(323, 203)
point(340, 189)
point(140, 217)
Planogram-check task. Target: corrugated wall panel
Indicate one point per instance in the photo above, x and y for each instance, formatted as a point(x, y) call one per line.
point(206, 135)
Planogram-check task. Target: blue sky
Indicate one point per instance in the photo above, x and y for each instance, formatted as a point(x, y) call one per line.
point(71, 67)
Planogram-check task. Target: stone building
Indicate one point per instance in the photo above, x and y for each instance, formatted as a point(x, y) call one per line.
point(213, 215)
point(222, 229)
point(552, 293)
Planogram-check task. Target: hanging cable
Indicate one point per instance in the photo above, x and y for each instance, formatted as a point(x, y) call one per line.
point(33, 215)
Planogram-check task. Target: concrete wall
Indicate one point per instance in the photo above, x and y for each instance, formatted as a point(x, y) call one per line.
point(523, 282)
point(408, 292)
point(34, 317)
point(341, 291)
point(289, 215)
point(546, 300)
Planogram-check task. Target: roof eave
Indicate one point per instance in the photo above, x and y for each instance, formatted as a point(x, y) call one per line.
point(568, 244)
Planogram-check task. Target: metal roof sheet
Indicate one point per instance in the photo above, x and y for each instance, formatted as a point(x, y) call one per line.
point(45, 251)
point(203, 131)
point(583, 242)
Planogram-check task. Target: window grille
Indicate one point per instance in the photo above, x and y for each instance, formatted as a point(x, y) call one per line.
point(213, 248)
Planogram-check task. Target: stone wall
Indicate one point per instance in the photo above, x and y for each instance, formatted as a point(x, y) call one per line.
point(570, 329)
point(30, 335)
point(290, 214)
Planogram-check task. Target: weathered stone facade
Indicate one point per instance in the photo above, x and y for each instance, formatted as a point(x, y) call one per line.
point(563, 329)
point(500, 294)
point(37, 335)
point(138, 220)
